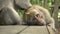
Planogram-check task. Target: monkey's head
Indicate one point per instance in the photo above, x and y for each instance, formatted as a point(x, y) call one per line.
point(24, 4)
point(34, 17)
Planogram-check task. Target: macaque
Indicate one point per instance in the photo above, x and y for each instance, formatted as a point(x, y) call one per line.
point(34, 17)
point(9, 11)
point(38, 15)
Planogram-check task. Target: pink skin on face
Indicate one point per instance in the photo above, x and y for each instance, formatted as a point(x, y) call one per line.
point(41, 20)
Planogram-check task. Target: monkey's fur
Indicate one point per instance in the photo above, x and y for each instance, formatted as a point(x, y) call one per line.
point(8, 11)
point(44, 13)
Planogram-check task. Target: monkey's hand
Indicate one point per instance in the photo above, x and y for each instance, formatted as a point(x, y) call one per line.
point(40, 20)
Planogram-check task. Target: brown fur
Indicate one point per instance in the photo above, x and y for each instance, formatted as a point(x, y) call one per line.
point(43, 13)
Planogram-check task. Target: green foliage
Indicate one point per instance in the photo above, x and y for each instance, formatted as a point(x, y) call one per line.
point(41, 2)
point(20, 12)
point(35, 2)
point(59, 15)
point(48, 1)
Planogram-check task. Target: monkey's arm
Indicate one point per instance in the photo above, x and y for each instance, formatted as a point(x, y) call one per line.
point(12, 14)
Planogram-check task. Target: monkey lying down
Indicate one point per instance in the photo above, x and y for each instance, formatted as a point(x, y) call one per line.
point(37, 15)
point(33, 17)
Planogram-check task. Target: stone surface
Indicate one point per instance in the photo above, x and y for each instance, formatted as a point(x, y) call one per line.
point(35, 30)
point(18, 29)
point(11, 29)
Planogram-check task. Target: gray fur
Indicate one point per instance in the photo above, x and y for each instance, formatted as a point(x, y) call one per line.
point(8, 11)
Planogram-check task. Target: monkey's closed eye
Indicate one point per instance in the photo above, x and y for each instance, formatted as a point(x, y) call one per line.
point(37, 15)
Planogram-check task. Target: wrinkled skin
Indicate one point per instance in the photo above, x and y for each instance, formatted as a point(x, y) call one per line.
point(40, 20)
point(8, 11)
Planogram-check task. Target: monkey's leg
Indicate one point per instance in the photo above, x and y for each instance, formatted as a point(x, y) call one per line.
point(7, 19)
point(13, 15)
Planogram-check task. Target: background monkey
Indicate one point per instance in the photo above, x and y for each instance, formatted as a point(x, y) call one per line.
point(8, 11)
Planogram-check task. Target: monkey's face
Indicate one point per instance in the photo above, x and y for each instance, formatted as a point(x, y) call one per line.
point(35, 17)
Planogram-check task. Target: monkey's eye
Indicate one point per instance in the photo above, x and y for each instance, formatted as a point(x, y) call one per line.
point(37, 15)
